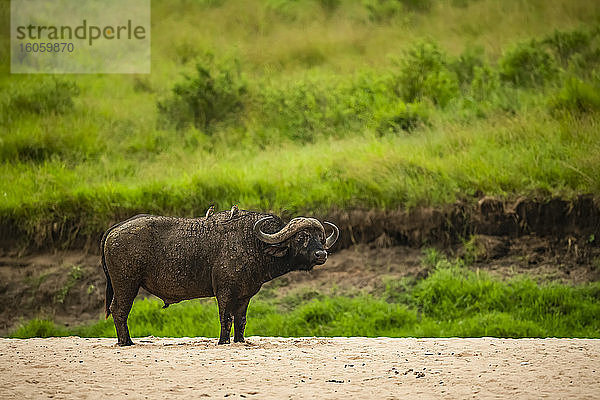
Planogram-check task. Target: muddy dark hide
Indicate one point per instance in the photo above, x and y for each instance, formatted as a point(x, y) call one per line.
point(225, 255)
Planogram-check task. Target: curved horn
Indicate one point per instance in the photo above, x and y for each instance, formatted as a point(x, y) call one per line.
point(333, 237)
point(265, 237)
point(290, 229)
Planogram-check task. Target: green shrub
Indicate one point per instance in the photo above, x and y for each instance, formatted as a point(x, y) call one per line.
point(314, 106)
point(528, 65)
point(578, 50)
point(367, 92)
point(587, 65)
point(441, 87)
point(486, 82)
point(464, 66)
point(212, 95)
point(566, 44)
point(400, 116)
point(576, 96)
point(318, 312)
point(418, 62)
point(299, 297)
point(303, 109)
point(424, 73)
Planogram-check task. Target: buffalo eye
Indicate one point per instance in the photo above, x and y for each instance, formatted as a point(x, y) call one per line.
point(302, 238)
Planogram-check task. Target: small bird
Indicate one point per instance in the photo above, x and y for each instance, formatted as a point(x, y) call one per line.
point(234, 211)
point(210, 211)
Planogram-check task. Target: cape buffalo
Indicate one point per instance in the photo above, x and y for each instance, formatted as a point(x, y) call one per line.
point(225, 254)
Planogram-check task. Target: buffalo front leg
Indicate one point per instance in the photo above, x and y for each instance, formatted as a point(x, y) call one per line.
point(225, 316)
point(239, 320)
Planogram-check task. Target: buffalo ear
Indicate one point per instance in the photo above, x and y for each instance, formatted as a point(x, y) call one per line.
point(276, 250)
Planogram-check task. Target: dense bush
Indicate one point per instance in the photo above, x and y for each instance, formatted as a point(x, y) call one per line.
point(441, 87)
point(465, 65)
point(315, 105)
point(399, 116)
point(576, 96)
point(528, 64)
point(485, 83)
point(212, 95)
point(566, 44)
point(300, 110)
point(424, 73)
point(368, 92)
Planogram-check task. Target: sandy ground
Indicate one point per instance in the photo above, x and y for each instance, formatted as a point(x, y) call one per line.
point(382, 368)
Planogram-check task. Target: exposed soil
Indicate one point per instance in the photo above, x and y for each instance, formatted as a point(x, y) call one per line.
point(552, 241)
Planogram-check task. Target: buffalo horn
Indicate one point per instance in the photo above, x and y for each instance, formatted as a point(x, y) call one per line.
point(292, 227)
point(333, 237)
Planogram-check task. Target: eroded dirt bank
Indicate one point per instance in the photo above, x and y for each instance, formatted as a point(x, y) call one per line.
point(279, 368)
point(553, 219)
point(555, 240)
point(444, 225)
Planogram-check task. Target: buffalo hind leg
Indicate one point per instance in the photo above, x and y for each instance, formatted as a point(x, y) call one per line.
point(239, 320)
point(225, 317)
point(120, 308)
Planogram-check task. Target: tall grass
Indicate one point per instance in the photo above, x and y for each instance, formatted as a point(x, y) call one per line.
point(318, 105)
point(451, 301)
point(434, 168)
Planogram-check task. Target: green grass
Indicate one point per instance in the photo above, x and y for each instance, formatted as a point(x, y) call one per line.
point(532, 155)
point(451, 302)
point(310, 106)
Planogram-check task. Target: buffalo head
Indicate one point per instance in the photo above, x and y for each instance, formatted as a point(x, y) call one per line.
point(302, 239)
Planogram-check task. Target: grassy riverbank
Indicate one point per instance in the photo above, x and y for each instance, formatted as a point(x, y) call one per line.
point(371, 107)
point(451, 301)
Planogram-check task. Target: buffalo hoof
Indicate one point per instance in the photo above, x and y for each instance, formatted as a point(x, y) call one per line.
point(224, 341)
point(127, 343)
point(239, 340)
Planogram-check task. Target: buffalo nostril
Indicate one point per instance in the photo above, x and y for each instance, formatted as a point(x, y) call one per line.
point(320, 254)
